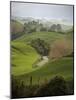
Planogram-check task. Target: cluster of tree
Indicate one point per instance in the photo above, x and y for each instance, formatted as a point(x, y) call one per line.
point(56, 28)
point(41, 46)
point(20, 89)
point(55, 87)
point(31, 26)
point(34, 26)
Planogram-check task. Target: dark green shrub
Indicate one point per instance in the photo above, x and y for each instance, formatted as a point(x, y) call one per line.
point(57, 86)
point(41, 46)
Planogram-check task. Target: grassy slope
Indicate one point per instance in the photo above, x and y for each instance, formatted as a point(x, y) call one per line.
point(47, 36)
point(23, 56)
point(16, 27)
point(20, 60)
point(63, 67)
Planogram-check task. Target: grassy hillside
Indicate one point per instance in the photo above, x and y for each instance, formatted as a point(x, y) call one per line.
point(59, 42)
point(16, 27)
point(47, 36)
point(62, 67)
point(23, 56)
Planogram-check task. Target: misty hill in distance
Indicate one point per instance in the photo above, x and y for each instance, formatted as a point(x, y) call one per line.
point(65, 25)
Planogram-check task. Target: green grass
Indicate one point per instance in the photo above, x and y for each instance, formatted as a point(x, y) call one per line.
point(23, 56)
point(62, 67)
point(49, 37)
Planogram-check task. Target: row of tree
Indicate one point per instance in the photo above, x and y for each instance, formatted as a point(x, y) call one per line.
point(32, 26)
point(55, 87)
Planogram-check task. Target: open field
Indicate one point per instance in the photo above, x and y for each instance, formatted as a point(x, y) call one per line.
point(23, 56)
point(62, 67)
point(49, 37)
point(22, 53)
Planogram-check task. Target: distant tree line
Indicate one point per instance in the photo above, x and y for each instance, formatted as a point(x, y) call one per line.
point(18, 29)
point(34, 26)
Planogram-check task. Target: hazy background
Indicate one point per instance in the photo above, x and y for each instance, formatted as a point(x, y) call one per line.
point(48, 11)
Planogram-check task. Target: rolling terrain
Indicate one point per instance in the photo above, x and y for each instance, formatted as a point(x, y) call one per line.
point(49, 70)
point(41, 60)
point(24, 56)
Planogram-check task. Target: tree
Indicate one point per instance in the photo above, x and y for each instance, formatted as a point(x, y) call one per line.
point(53, 27)
point(43, 29)
point(58, 27)
point(41, 46)
point(57, 86)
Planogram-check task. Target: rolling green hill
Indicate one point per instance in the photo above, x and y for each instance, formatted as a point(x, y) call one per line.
point(47, 36)
point(62, 67)
point(23, 56)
